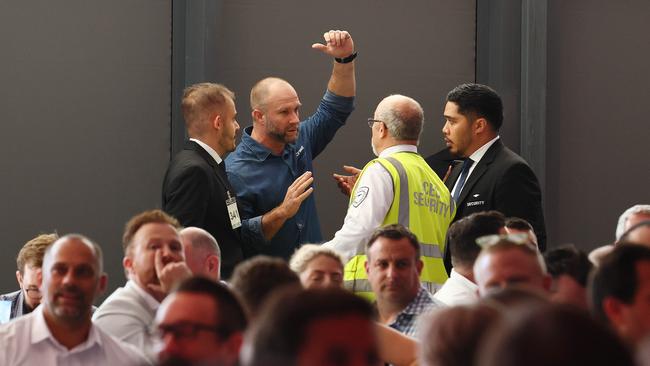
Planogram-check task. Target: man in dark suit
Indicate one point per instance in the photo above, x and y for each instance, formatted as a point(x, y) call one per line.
point(196, 189)
point(491, 176)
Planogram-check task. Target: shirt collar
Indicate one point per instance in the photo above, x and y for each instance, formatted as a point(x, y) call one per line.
point(398, 148)
point(41, 332)
point(260, 151)
point(151, 302)
point(210, 150)
point(463, 280)
point(421, 300)
point(478, 154)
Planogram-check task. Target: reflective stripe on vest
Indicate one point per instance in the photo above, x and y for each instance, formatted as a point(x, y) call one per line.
point(433, 273)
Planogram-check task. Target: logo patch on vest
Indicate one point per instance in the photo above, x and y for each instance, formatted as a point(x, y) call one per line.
point(360, 195)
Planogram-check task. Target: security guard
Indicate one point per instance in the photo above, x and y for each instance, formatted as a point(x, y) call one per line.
point(397, 187)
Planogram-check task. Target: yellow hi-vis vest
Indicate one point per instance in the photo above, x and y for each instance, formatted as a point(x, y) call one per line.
point(422, 203)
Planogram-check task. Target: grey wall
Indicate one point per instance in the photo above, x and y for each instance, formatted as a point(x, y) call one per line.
point(85, 114)
point(597, 136)
point(419, 48)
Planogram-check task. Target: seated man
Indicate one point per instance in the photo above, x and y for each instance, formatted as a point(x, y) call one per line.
point(59, 332)
point(393, 268)
point(154, 262)
point(619, 290)
point(461, 288)
point(570, 269)
point(202, 253)
point(507, 263)
point(313, 327)
point(628, 218)
point(201, 322)
point(29, 263)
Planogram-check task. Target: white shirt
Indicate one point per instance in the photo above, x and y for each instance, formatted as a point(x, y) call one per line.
point(373, 198)
point(27, 340)
point(476, 157)
point(457, 290)
point(210, 150)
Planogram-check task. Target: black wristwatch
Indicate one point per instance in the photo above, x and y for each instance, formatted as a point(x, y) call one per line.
point(346, 60)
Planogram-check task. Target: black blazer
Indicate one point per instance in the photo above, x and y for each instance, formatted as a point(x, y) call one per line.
point(502, 181)
point(195, 192)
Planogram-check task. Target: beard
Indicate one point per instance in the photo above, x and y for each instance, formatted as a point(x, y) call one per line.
point(279, 134)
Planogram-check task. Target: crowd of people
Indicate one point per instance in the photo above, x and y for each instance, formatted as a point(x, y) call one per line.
point(439, 261)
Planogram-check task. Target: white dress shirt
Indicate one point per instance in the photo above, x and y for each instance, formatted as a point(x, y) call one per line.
point(27, 340)
point(476, 157)
point(210, 150)
point(128, 314)
point(373, 198)
point(457, 290)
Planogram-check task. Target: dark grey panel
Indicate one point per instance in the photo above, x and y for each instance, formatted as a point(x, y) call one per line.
point(85, 111)
point(597, 150)
point(421, 48)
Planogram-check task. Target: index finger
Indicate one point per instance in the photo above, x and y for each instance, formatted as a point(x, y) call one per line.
point(158, 262)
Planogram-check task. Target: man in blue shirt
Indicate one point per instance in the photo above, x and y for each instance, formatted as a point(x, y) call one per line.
point(273, 162)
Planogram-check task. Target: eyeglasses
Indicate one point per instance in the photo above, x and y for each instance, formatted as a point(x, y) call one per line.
point(371, 122)
point(516, 238)
point(184, 330)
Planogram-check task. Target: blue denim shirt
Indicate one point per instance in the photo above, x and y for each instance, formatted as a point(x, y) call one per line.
point(261, 179)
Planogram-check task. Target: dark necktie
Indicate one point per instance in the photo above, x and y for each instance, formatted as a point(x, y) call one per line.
point(222, 165)
point(463, 177)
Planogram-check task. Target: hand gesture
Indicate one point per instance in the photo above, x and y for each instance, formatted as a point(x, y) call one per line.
point(296, 194)
point(346, 182)
point(337, 44)
point(168, 274)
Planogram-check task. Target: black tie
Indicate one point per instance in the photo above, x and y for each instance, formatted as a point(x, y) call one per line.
point(463, 177)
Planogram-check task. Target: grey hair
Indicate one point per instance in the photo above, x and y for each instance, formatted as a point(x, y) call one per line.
point(308, 252)
point(622, 220)
point(404, 121)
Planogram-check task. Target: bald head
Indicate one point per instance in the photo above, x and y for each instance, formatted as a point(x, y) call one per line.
point(202, 252)
point(402, 115)
point(263, 92)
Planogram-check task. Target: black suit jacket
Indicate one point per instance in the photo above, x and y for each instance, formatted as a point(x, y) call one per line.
point(195, 192)
point(502, 181)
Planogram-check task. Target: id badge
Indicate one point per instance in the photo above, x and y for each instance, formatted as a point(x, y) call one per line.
point(233, 213)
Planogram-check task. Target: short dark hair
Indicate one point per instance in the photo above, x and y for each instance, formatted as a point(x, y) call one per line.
point(463, 233)
point(568, 260)
point(230, 314)
point(279, 334)
point(257, 278)
point(480, 100)
point(394, 232)
point(616, 277)
point(518, 224)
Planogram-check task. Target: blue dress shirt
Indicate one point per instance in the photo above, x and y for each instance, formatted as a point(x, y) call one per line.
point(261, 179)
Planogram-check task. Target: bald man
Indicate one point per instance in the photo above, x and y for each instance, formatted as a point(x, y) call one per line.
point(202, 253)
point(397, 187)
point(276, 153)
point(59, 331)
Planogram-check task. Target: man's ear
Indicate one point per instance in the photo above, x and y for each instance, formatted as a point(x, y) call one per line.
point(233, 346)
point(19, 278)
point(480, 125)
point(257, 115)
point(366, 264)
point(547, 282)
point(103, 282)
point(217, 122)
point(419, 265)
point(614, 310)
point(127, 263)
point(213, 264)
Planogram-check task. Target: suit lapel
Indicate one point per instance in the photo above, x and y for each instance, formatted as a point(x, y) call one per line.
point(455, 173)
point(191, 145)
point(480, 169)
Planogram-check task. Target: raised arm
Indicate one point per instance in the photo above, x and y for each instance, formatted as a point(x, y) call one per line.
point(339, 44)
